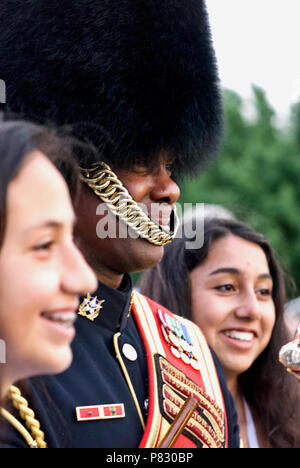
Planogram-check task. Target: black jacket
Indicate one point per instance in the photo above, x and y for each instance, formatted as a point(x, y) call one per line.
point(95, 378)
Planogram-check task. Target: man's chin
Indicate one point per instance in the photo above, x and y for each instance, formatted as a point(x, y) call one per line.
point(145, 256)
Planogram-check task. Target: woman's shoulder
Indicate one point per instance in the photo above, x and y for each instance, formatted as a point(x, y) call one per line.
point(9, 436)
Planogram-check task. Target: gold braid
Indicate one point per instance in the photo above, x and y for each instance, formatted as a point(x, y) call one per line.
point(28, 416)
point(106, 185)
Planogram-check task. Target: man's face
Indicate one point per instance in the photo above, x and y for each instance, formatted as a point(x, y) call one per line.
point(156, 191)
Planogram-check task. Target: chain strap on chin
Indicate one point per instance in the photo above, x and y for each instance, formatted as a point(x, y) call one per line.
point(106, 185)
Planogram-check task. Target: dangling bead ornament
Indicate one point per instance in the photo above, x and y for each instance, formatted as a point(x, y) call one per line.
point(289, 355)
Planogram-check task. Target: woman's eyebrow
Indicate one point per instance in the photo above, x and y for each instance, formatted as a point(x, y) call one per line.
point(232, 271)
point(44, 224)
point(235, 271)
point(265, 276)
point(48, 224)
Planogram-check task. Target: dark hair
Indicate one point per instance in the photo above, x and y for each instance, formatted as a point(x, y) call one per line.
point(266, 385)
point(17, 140)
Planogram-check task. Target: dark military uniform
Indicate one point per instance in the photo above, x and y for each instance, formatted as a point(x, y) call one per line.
point(95, 378)
point(134, 79)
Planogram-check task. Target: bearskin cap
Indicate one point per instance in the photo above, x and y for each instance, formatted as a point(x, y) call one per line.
point(134, 77)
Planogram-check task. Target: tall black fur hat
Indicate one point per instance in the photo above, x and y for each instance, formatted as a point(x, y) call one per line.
point(136, 76)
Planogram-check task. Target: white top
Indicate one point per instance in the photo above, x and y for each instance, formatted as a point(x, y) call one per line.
point(251, 431)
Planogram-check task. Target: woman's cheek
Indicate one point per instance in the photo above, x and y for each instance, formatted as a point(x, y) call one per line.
point(269, 318)
point(207, 312)
point(36, 291)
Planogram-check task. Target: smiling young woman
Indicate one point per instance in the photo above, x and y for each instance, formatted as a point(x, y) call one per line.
point(42, 273)
point(233, 288)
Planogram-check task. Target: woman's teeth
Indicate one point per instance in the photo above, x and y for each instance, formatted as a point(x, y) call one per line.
point(239, 335)
point(65, 319)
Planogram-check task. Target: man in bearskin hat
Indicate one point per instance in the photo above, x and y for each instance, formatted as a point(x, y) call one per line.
point(138, 81)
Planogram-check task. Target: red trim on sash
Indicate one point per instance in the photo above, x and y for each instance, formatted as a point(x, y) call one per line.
point(183, 441)
point(192, 374)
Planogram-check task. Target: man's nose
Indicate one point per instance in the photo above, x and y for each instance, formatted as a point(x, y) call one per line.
point(164, 189)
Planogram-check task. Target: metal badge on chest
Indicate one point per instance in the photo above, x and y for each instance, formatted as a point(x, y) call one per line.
point(90, 307)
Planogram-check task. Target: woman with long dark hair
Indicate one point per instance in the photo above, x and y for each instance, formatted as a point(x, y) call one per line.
point(42, 273)
point(234, 289)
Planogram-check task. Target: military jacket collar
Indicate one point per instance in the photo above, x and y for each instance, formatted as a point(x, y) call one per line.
point(115, 309)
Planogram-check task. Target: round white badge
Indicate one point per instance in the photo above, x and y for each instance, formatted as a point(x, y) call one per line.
point(129, 352)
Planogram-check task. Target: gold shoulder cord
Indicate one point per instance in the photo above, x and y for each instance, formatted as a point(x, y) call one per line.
point(127, 378)
point(124, 370)
point(106, 185)
point(36, 438)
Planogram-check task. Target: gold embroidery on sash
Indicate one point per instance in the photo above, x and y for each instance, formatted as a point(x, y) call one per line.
point(214, 431)
point(179, 382)
point(194, 427)
point(176, 388)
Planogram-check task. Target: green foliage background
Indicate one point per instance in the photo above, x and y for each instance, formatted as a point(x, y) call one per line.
point(257, 175)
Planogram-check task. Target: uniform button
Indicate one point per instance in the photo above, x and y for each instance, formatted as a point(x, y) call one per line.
point(146, 405)
point(129, 352)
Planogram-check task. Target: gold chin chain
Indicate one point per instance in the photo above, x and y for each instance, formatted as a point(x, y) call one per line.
point(106, 185)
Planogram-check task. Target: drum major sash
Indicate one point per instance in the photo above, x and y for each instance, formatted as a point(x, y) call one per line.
point(180, 365)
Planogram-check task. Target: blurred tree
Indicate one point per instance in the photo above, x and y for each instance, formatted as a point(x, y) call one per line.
point(257, 176)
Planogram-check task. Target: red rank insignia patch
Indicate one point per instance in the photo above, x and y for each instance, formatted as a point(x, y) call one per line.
point(92, 413)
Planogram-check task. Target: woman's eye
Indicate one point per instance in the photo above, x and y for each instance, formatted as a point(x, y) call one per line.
point(45, 246)
point(225, 287)
point(265, 292)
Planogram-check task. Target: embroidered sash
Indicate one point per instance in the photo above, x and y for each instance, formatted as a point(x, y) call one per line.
point(180, 365)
